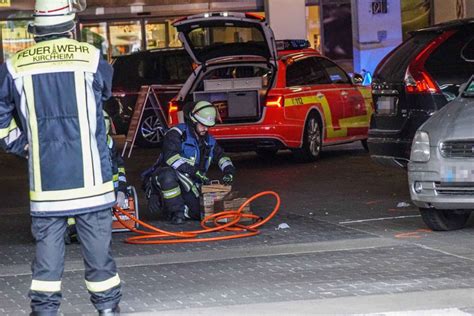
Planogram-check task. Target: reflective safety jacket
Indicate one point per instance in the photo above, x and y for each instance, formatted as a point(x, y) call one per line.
point(118, 166)
point(187, 154)
point(57, 88)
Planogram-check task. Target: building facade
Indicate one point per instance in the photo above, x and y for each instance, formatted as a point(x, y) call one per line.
point(338, 28)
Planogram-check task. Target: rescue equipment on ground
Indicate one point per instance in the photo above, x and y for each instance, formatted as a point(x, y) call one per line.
point(131, 209)
point(210, 224)
point(216, 197)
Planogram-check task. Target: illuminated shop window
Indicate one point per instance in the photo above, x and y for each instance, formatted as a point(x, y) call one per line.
point(96, 34)
point(313, 19)
point(15, 37)
point(155, 35)
point(415, 15)
point(125, 37)
point(173, 35)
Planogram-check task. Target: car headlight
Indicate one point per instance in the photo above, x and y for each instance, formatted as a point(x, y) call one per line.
point(420, 149)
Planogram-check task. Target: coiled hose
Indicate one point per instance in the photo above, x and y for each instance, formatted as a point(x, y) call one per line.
point(155, 235)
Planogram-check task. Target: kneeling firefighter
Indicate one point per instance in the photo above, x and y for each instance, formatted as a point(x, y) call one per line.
point(188, 151)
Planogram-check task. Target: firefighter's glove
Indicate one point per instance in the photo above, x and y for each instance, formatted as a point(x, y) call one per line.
point(200, 177)
point(121, 198)
point(228, 178)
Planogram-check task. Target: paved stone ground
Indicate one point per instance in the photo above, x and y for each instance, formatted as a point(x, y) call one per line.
point(327, 253)
point(18, 248)
point(263, 279)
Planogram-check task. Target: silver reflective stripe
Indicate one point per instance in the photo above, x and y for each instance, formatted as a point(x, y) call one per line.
point(45, 286)
point(81, 203)
point(175, 129)
point(172, 193)
point(173, 159)
point(10, 136)
point(185, 181)
point(122, 179)
point(224, 162)
point(91, 105)
point(13, 136)
point(33, 150)
point(178, 163)
point(195, 190)
point(102, 286)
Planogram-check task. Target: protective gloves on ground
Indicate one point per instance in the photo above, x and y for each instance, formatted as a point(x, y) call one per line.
point(228, 178)
point(121, 198)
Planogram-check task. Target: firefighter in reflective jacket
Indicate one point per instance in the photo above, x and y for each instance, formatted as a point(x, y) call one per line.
point(57, 87)
point(188, 151)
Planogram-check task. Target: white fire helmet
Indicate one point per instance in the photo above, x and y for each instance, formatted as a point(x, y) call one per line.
point(55, 16)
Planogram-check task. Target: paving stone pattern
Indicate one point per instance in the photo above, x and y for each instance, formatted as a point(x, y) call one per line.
point(263, 279)
point(18, 248)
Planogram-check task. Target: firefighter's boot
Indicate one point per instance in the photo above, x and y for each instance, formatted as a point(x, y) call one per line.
point(110, 312)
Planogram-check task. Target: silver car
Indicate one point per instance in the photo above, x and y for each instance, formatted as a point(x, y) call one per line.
point(441, 167)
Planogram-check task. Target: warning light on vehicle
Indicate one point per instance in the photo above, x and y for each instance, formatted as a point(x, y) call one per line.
point(275, 101)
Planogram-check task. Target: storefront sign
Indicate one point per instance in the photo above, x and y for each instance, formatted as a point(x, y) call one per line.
point(5, 3)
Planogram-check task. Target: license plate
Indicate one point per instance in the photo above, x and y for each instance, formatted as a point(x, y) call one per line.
point(457, 173)
point(385, 105)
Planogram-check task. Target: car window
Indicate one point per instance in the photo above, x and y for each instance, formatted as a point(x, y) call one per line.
point(335, 73)
point(305, 72)
point(151, 67)
point(393, 67)
point(123, 77)
point(447, 66)
point(467, 52)
point(183, 66)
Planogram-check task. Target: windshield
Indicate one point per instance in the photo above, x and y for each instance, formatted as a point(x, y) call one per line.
point(393, 68)
point(469, 91)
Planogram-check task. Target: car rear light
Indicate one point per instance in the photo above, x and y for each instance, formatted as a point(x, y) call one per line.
point(417, 79)
point(420, 82)
point(173, 106)
point(172, 110)
point(118, 94)
point(250, 15)
point(275, 101)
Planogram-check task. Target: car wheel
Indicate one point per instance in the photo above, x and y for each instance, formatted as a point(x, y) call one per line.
point(151, 130)
point(444, 220)
point(312, 140)
point(266, 153)
point(365, 145)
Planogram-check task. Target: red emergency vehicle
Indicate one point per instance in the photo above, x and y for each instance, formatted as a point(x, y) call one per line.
point(268, 98)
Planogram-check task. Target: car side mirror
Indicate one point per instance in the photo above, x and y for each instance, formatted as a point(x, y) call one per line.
point(357, 79)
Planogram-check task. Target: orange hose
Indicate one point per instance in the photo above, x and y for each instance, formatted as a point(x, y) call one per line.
point(155, 235)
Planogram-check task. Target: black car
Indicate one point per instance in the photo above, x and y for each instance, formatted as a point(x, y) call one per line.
point(416, 79)
point(170, 66)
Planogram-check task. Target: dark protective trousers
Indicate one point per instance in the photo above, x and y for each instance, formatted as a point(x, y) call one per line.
point(175, 196)
point(95, 234)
